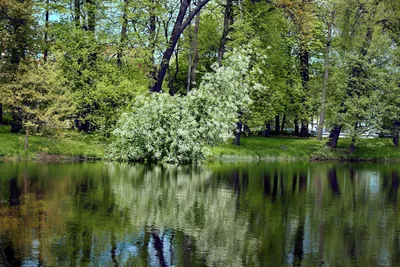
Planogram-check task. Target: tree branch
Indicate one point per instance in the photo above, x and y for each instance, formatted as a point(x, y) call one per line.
point(192, 14)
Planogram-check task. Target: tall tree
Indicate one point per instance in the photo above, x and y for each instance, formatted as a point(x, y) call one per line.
point(180, 24)
point(193, 54)
point(226, 29)
point(325, 82)
point(17, 42)
point(46, 30)
point(124, 31)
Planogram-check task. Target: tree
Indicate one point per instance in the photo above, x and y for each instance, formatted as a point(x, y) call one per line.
point(326, 77)
point(17, 42)
point(228, 20)
point(361, 57)
point(38, 95)
point(179, 25)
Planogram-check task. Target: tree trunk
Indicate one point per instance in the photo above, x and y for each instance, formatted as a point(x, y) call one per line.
point(334, 136)
point(267, 131)
point(195, 50)
point(304, 129)
point(304, 72)
point(353, 140)
point(277, 128)
point(352, 145)
point(396, 134)
point(92, 28)
point(26, 146)
point(157, 87)
point(152, 33)
point(1, 114)
point(227, 18)
point(16, 123)
point(189, 58)
point(283, 122)
point(238, 130)
point(325, 86)
point(46, 41)
point(124, 28)
point(296, 125)
point(396, 139)
point(175, 77)
point(77, 13)
point(179, 26)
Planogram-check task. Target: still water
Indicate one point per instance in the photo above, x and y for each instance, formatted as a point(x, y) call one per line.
point(242, 214)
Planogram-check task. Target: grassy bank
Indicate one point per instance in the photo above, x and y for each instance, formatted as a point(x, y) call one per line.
point(288, 148)
point(70, 146)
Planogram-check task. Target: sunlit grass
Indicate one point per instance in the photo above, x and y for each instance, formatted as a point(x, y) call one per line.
point(290, 148)
point(69, 144)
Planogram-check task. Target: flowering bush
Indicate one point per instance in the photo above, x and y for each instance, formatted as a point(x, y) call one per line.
point(176, 129)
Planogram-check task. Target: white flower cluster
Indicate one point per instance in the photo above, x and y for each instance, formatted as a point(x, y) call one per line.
point(176, 129)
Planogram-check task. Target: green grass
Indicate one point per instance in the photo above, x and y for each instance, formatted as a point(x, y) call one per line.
point(290, 148)
point(70, 145)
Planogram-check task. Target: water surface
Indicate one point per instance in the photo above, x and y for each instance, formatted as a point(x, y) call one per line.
point(243, 214)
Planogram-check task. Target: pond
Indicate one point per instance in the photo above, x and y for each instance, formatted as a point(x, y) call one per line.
point(220, 214)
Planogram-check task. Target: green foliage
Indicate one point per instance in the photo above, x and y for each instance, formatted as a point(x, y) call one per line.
point(37, 96)
point(180, 130)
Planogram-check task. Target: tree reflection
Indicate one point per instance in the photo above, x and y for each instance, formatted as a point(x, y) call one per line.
point(108, 214)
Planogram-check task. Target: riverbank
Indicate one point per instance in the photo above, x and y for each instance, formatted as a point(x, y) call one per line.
point(70, 146)
point(297, 149)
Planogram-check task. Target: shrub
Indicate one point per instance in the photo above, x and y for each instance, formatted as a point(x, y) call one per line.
point(176, 129)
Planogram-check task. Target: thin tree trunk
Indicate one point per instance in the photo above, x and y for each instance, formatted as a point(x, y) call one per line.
point(179, 26)
point(175, 77)
point(189, 58)
point(1, 114)
point(26, 146)
point(227, 18)
point(396, 134)
point(325, 86)
point(195, 50)
point(152, 31)
point(46, 41)
point(283, 122)
point(296, 125)
point(334, 136)
point(277, 128)
point(92, 28)
point(353, 140)
point(304, 72)
point(238, 130)
point(77, 13)
point(352, 145)
point(124, 30)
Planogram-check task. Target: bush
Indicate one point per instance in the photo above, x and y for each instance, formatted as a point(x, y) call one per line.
point(177, 129)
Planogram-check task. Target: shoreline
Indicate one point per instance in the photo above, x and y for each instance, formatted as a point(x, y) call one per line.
point(76, 147)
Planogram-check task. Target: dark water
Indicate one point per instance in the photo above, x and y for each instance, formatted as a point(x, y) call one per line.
point(269, 214)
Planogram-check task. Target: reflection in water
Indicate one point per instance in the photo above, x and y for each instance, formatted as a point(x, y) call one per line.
point(106, 214)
